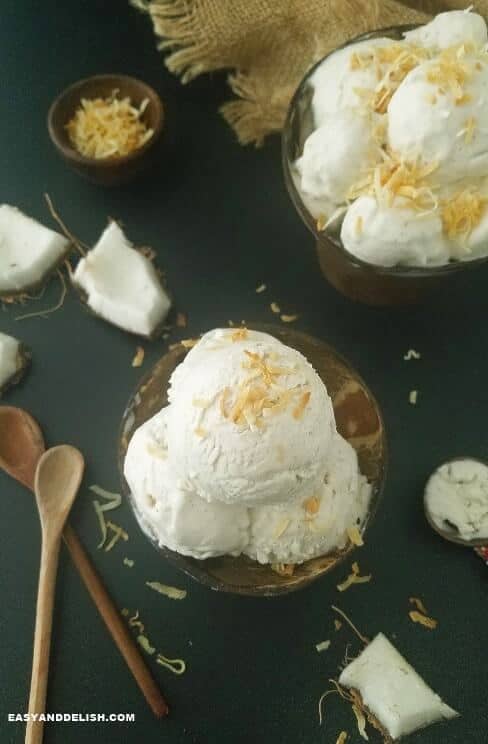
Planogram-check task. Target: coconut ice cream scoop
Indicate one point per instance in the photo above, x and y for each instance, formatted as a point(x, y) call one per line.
point(439, 114)
point(450, 29)
point(337, 153)
point(393, 235)
point(293, 532)
point(167, 508)
point(250, 420)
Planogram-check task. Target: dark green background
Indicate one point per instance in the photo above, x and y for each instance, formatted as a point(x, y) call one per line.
point(221, 222)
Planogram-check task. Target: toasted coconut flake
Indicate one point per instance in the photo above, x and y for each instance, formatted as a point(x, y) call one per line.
point(168, 591)
point(413, 397)
point(181, 320)
point(138, 359)
point(322, 222)
point(281, 528)
point(354, 578)
point(312, 505)
point(462, 213)
point(124, 612)
point(450, 71)
point(418, 617)
point(341, 739)
point(288, 318)
point(275, 308)
point(418, 604)
point(411, 354)
point(261, 288)
point(107, 127)
point(355, 536)
point(298, 411)
point(200, 403)
point(241, 334)
point(128, 562)
point(322, 646)
point(337, 625)
point(189, 343)
point(135, 622)
point(283, 569)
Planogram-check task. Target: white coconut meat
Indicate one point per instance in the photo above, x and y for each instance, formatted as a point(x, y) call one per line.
point(393, 691)
point(29, 252)
point(121, 285)
point(13, 360)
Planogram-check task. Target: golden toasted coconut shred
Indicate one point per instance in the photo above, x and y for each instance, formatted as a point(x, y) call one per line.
point(107, 127)
point(462, 213)
point(392, 64)
point(397, 178)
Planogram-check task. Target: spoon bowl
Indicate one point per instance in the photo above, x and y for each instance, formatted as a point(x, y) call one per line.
point(57, 480)
point(21, 445)
point(450, 531)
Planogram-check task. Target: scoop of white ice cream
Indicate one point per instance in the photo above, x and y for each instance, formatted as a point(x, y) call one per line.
point(336, 155)
point(427, 124)
point(294, 532)
point(175, 517)
point(336, 84)
point(250, 420)
point(390, 236)
point(450, 29)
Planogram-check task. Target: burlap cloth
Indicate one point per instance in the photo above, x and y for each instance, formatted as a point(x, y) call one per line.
point(269, 44)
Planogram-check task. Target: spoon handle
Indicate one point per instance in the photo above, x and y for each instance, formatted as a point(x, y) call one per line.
point(115, 624)
point(42, 636)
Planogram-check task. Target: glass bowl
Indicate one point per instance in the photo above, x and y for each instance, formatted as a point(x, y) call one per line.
point(358, 280)
point(358, 419)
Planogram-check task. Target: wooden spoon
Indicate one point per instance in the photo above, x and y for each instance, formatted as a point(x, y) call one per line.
point(57, 480)
point(21, 447)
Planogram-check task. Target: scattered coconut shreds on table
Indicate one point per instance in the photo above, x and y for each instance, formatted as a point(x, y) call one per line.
point(416, 602)
point(341, 739)
point(337, 625)
point(176, 666)
point(144, 644)
point(14, 361)
point(168, 591)
point(355, 536)
point(119, 534)
point(364, 639)
point(411, 354)
point(418, 617)
point(111, 501)
point(288, 318)
point(128, 562)
point(30, 253)
point(261, 288)
point(322, 646)
point(181, 320)
point(124, 612)
point(354, 578)
point(138, 359)
point(133, 298)
point(275, 308)
point(413, 397)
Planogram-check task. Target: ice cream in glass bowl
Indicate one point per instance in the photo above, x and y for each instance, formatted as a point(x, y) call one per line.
point(253, 459)
point(385, 156)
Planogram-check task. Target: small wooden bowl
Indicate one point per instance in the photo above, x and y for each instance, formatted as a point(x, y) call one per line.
point(358, 419)
point(118, 169)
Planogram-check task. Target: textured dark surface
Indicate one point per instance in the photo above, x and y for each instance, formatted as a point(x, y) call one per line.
point(221, 222)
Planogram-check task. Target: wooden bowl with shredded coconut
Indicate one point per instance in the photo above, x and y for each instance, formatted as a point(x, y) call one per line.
point(107, 127)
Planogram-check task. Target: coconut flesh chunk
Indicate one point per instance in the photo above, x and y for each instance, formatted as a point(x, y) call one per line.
point(121, 285)
point(392, 690)
point(28, 251)
point(13, 360)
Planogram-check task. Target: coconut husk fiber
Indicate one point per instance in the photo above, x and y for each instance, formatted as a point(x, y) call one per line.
point(268, 45)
